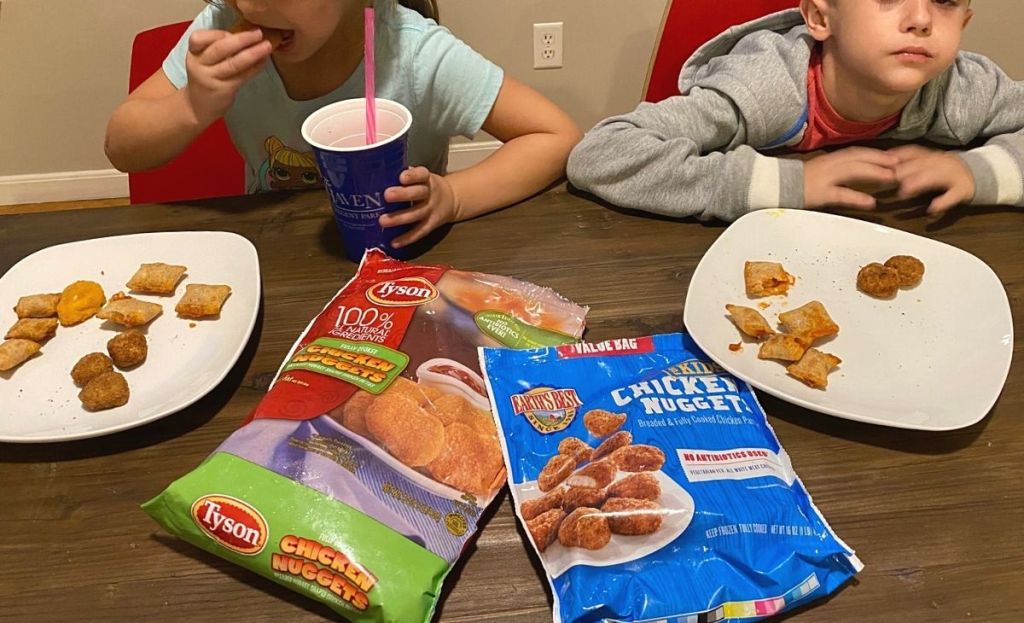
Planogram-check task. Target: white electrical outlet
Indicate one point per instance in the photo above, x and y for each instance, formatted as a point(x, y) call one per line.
point(547, 45)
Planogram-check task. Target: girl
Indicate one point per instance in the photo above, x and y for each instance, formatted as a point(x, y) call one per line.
point(303, 54)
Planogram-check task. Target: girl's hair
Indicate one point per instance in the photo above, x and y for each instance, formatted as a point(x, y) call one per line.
point(426, 8)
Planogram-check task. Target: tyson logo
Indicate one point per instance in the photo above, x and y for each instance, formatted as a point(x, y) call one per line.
point(232, 523)
point(407, 291)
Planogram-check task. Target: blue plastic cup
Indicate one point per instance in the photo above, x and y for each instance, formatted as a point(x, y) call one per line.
point(356, 174)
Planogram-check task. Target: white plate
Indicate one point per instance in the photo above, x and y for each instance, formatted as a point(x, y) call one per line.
point(934, 357)
point(679, 509)
point(39, 402)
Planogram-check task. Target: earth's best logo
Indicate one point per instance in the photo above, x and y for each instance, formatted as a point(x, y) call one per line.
point(231, 522)
point(404, 292)
point(548, 410)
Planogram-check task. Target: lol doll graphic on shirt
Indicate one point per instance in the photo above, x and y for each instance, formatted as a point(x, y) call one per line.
point(287, 169)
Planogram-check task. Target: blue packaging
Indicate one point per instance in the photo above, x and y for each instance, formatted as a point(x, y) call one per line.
point(682, 507)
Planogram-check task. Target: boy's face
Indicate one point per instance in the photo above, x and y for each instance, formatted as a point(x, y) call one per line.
point(894, 46)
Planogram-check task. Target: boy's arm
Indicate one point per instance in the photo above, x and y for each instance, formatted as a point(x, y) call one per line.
point(684, 156)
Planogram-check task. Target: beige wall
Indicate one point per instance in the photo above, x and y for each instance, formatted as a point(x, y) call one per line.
point(64, 63)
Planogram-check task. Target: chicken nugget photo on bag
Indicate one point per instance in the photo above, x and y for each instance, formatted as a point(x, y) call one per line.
point(638, 458)
point(575, 448)
point(601, 423)
point(405, 429)
point(613, 443)
point(469, 462)
point(585, 527)
point(557, 469)
point(531, 508)
point(579, 497)
point(640, 486)
point(544, 528)
point(632, 517)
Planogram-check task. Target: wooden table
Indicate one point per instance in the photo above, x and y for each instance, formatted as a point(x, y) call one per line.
point(936, 517)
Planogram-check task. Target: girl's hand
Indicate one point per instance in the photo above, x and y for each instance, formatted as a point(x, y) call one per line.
point(433, 204)
point(218, 63)
point(922, 170)
point(845, 178)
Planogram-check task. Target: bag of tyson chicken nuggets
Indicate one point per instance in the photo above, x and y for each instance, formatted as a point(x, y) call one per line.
point(361, 475)
point(653, 488)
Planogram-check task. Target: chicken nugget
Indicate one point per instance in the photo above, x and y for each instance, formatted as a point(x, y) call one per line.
point(631, 516)
point(557, 469)
point(749, 321)
point(89, 367)
point(599, 474)
point(79, 302)
point(469, 461)
point(35, 329)
point(639, 486)
point(766, 279)
point(585, 527)
point(809, 321)
point(909, 268)
point(579, 497)
point(201, 300)
point(601, 423)
point(15, 352)
point(156, 278)
point(638, 458)
point(814, 367)
point(352, 414)
point(784, 347)
point(129, 312)
point(274, 35)
point(128, 348)
point(106, 391)
point(37, 306)
point(576, 448)
point(879, 281)
point(409, 433)
point(531, 508)
point(414, 390)
point(613, 443)
point(544, 527)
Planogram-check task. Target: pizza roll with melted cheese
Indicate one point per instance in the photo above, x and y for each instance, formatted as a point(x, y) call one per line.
point(201, 300)
point(128, 311)
point(766, 279)
point(814, 367)
point(749, 321)
point(784, 347)
point(156, 278)
point(810, 321)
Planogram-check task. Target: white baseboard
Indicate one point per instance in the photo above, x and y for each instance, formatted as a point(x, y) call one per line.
point(111, 183)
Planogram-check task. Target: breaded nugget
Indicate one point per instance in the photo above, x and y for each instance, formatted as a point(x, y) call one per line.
point(106, 391)
point(531, 508)
point(414, 390)
point(879, 281)
point(79, 302)
point(128, 348)
point(909, 268)
point(450, 408)
point(15, 352)
point(35, 329)
point(576, 448)
point(632, 516)
point(156, 278)
point(273, 35)
point(766, 279)
point(784, 347)
point(544, 527)
point(483, 422)
point(599, 474)
point(409, 433)
point(810, 321)
point(749, 321)
point(89, 367)
point(37, 306)
point(638, 458)
point(601, 423)
point(129, 312)
point(469, 461)
point(202, 300)
point(578, 497)
point(585, 527)
point(353, 413)
point(613, 443)
point(555, 471)
point(814, 367)
point(640, 486)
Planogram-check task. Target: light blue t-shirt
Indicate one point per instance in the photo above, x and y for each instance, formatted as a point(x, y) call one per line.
point(447, 86)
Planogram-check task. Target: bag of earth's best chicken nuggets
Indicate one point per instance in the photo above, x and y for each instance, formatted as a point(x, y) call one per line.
point(653, 488)
point(362, 474)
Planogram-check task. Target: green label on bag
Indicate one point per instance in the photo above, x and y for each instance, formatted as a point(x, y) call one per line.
point(514, 333)
point(370, 367)
point(301, 539)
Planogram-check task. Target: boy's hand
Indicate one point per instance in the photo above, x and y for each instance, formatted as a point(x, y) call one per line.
point(829, 179)
point(218, 63)
point(433, 204)
point(921, 170)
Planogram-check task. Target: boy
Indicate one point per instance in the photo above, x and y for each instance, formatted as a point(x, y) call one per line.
point(834, 72)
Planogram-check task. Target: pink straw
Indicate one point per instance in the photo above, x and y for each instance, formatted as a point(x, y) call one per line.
point(370, 88)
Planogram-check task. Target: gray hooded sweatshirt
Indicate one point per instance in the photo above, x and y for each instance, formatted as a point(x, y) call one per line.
point(745, 92)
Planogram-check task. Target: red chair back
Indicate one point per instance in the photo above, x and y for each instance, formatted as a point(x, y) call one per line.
point(210, 166)
point(689, 24)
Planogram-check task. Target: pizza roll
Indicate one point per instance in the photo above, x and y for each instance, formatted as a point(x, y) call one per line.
point(15, 352)
point(37, 306)
point(810, 321)
point(35, 329)
point(766, 279)
point(784, 347)
point(201, 300)
point(156, 278)
point(814, 367)
point(128, 311)
point(749, 321)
